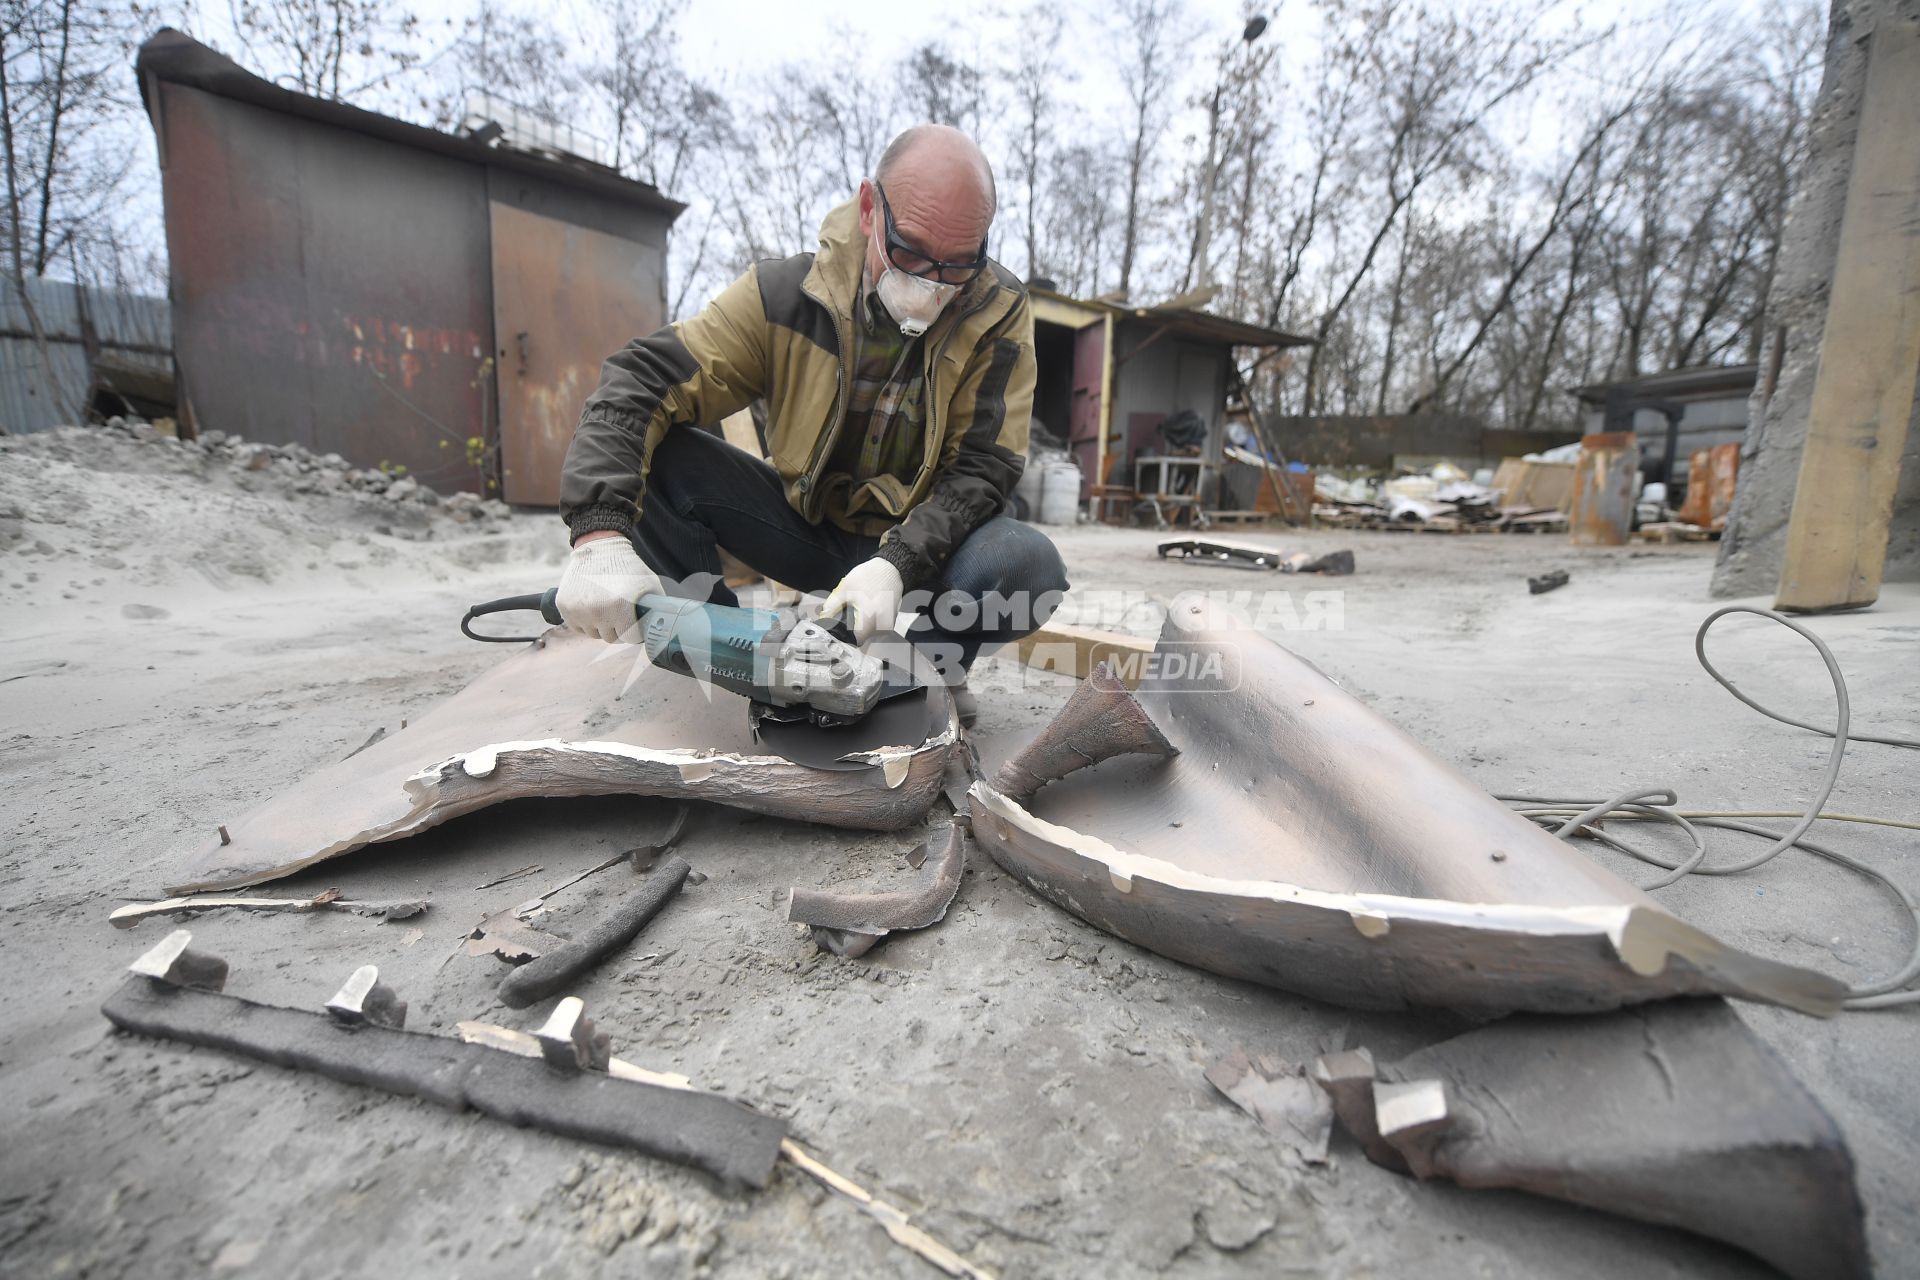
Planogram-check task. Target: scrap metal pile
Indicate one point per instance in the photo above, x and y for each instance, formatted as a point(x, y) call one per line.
point(1239, 812)
point(1444, 500)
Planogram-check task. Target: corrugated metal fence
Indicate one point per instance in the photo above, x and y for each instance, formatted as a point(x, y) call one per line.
point(81, 323)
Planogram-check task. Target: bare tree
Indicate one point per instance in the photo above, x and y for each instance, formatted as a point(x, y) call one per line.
point(1576, 186)
point(940, 87)
point(1081, 217)
point(1324, 180)
point(640, 79)
point(1155, 37)
point(67, 105)
point(1233, 111)
point(854, 123)
point(1378, 190)
point(336, 49)
point(66, 110)
point(518, 58)
point(1429, 81)
point(664, 124)
point(1033, 79)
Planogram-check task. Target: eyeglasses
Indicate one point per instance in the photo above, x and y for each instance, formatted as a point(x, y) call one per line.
point(916, 263)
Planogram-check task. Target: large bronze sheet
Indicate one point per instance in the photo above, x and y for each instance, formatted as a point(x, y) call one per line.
point(568, 716)
point(1302, 840)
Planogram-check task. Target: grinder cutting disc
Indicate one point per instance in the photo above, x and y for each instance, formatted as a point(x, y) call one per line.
point(904, 721)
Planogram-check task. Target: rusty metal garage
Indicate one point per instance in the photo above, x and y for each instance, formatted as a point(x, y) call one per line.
point(401, 296)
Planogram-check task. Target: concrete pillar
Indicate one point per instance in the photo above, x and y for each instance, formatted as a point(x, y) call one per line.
point(1753, 547)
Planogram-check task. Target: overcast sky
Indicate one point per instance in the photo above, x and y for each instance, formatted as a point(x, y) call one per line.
point(727, 43)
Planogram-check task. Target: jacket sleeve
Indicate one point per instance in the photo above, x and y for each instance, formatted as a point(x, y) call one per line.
point(982, 454)
point(691, 373)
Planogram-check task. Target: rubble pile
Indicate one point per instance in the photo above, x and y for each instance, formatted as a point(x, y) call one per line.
point(95, 506)
point(309, 473)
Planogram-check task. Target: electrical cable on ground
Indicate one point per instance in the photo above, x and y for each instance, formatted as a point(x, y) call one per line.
point(1547, 811)
point(1658, 804)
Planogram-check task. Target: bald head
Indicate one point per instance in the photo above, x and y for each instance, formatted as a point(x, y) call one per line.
point(940, 188)
point(939, 149)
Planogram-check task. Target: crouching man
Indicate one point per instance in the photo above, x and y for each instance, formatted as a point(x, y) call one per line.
point(897, 367)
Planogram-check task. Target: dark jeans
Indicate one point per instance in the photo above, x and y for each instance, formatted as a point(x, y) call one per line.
point(703, 494)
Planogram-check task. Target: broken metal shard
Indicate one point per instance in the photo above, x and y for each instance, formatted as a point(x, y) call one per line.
point(1223, 551)
point(173, 962)
point(1412, 1116)
point(1288, 1105)
point(1347, 1078)
point(1673, 1113)
point(506, 933)
point(1301, 840)
point(570, 1041)
point(569, 716)
point(367, 1000)
point(850, 924)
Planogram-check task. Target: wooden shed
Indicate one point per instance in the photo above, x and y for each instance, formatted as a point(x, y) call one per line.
point(1110, 374)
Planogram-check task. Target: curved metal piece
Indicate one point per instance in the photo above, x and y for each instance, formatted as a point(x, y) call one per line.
point(1100, 721)
point(850, 924)
point(1301, 840)
point(569, 716)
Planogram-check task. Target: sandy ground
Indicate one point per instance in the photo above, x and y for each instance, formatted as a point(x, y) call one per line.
point(1030, 1088)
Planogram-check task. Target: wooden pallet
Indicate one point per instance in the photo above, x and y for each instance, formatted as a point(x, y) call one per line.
point(1670, 531)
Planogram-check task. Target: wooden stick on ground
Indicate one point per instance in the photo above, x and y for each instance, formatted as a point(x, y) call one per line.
point(894, 1220)
point(134, 912)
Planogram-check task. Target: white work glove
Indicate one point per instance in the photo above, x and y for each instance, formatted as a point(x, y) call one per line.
point(867, 600)
point(602, 580)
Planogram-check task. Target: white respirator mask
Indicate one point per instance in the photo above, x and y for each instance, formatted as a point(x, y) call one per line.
point(913, 301)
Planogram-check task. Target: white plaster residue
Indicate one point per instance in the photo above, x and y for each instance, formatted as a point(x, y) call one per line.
point(1608, 922)
point(894, 762)
point(1643, 939)
point(1371, 925)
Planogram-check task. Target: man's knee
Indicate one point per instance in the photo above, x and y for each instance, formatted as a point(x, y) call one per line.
point(1013, 572)
point(1006, 555)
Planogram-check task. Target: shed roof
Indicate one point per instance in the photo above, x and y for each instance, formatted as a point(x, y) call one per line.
point(1195, 323)
point(1175, 318)
point(177, 58)
point(1701, 382)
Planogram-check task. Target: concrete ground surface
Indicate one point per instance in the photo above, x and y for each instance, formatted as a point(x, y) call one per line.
point(1031, 1089)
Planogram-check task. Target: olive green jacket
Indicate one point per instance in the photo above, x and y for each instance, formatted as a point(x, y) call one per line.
point(783, 331)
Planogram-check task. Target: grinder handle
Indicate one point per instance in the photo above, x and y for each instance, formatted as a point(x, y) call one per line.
point(543, 602)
